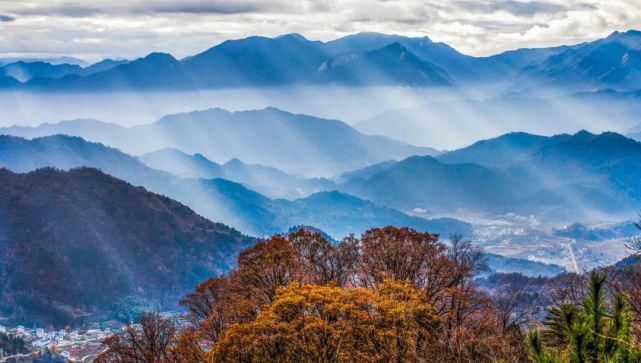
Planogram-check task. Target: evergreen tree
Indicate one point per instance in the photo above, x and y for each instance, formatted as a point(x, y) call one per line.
point(590, 333)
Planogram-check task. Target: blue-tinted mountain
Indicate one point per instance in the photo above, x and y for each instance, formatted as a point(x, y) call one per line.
point(608, 157)
point(506, 150)
point(296, 144)
point(613, 62)
point(217, 199)
point(103, 65)
point(77, 242)
point(179, 163)
point(426, 183)
point(84, 128)
point(155, 71)
point(9, 82)
point(24, 71)
point(512, 61)
point(50, 60)
point(364, 42)
point(457, 65)
point(586, 176)
point(608, 152)
point(340, 214)
point(366, 172)
point(359, 59)
point(266, 180)
point(392, 64)
point(256, 61)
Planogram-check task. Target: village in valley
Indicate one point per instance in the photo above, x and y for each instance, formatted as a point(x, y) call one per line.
point(59, 345)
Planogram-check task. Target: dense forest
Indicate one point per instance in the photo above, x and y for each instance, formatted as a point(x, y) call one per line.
point(392, 294)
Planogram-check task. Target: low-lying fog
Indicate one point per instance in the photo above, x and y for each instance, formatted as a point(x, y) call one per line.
point(129, 108)
point(443, 119)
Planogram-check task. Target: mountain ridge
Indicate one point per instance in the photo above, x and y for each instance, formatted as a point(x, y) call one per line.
point(217, 199)
point(325, 146)
point(291, 59)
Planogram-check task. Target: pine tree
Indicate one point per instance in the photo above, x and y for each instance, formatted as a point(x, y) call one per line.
point(591, 333)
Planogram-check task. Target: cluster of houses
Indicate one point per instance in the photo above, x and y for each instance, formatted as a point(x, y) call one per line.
point(66, 343)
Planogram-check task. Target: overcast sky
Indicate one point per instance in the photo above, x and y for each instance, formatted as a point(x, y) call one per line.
point(96, 29)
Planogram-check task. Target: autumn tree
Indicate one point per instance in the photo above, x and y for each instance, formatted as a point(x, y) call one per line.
point(394, 294)
point(149, 340)
point(265, 267)
point(312, 323)
point(323, 262)
point(400, 254)
point(216, 303)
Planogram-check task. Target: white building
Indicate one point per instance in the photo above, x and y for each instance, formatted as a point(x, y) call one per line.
point(41, 343)
point(3, 329)
point(40, 332)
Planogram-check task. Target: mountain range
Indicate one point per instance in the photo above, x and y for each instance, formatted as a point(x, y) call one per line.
point(359, 59)
point(582, 177)
point(613, 62)
point(217, 199)
point(266, 180)
point(563, 178)
point(25, 71)
point(297, 144)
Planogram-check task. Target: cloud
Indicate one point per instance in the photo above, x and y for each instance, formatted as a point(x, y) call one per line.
point(519, 8)
point(6, 18)
point(124, 7)
point(211, 7)
point(133, 28)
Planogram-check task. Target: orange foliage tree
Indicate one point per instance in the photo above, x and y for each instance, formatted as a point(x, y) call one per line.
point(314, 323)
point(394, 294)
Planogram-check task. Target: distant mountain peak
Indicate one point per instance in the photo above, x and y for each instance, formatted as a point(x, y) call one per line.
point(234, 162)
point(296, 36)
point(160, 57)
point(628, 33)
point(370, 34)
